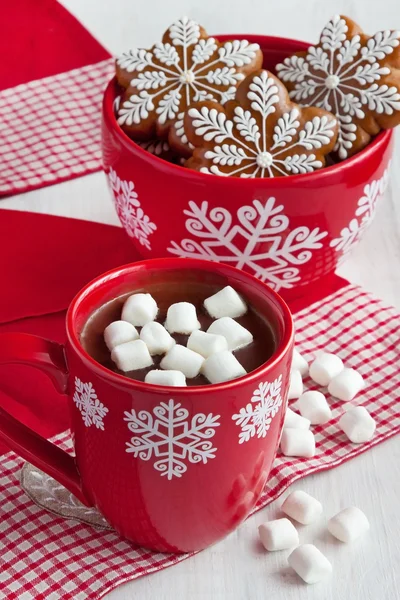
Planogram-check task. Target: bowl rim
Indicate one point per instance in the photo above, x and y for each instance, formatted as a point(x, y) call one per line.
point(282, 349)
point(338, 169)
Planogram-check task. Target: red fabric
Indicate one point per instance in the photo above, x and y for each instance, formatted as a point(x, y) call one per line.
point(39, 38)
point(45, 556)
point(45, 260)
point(50, 128)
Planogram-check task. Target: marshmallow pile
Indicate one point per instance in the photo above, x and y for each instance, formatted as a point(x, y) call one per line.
point(306, 559)
point(210, 352)
point(327, 370)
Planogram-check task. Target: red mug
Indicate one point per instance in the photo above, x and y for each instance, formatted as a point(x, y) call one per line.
point(171, 469)
point(288, 231)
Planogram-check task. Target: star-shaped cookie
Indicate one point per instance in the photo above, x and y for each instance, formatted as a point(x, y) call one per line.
point(186, 67)
point(259, 134)
point(354, 76)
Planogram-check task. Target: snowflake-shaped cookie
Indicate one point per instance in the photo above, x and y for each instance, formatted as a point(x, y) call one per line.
point(187, 66)
point(354, 76)
point(260, 134)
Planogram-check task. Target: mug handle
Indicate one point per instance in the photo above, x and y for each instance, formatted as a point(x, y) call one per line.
point(49, 357)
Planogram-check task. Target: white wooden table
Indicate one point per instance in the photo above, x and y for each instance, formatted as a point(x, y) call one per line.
point(236, 568)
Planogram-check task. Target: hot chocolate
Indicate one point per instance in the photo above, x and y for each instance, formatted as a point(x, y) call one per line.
point(250, 357)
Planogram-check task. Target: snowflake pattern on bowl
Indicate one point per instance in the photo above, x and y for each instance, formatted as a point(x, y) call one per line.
point(170, 438)
point(256, 417)
point(261, 242)
point(263, 135)
point(340, 74)
point(136, 223)
point(366, 208)
point(186, 67)
point(87, 402)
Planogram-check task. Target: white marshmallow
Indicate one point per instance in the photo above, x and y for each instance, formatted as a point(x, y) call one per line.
point(222, 366)
point(236, 335)
point(225, 303)
point(119, 332)
point(173, 378)
point(182, 318)
point(313, 406)
point(346, 385)
point(299, 363)
point(180, 358)
point(295, 421)
point(309, 563)
point(280, 534)
point(156, 338)
point(139, 309)
point(357, 424)
point(302, 507)
point(206, 344)
point(131, 356)
point(349, 524)
point(298, 442)
point(295, 386)
point(325, 367)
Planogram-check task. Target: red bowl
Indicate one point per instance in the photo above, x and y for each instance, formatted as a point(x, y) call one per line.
point(288, 231)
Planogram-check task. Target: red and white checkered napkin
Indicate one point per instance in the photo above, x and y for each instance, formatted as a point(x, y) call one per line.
point(45, 557)
point(50, 128)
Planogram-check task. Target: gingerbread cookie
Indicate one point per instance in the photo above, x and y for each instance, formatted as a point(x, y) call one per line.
point(160, 148)
point(186, 67)
point(260, 134)
point(354, 76)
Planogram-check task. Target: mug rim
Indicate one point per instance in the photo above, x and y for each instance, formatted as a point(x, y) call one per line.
point(338, 169)
point(190, 263)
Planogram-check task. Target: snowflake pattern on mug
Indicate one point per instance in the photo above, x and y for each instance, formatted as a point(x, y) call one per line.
point(187, 66)
point(136, 223)
point(256, 417)
point(262, 134)
point(366, 207)
point(352, 75)
point(261, 242)
point(171, 438)
point(87, 402)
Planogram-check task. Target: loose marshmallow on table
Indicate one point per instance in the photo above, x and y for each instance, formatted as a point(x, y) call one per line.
point(295, 421)
point(348, 524)
point(206, 343)
point(173, 378)
point(182, 318)
point(131, 356)
point(325, 367)
point(346, 385)
point(295, 386)
point(119, 332)
point(221, 367)
point(309, 563)
point(156, 338)
point(313, 406)
point(180, 358)
point(139, 309)
point(298, 442)
point(225, 303)
point(299, 363)
point(357, 424)
point(236, 335)
point(302, 507)
point(280, 534)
